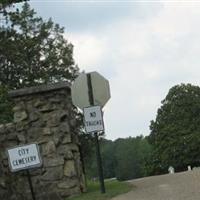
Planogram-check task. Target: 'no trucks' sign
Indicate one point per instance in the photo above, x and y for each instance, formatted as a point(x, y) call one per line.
point(93, 119)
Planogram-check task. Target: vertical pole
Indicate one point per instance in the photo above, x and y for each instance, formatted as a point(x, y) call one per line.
point(30, 184)
point(98, 154)
point(99, 164)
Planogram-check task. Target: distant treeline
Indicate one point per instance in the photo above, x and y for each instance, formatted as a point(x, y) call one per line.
point(123, 158)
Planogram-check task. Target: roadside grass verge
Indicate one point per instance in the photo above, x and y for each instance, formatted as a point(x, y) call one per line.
point(113, 188)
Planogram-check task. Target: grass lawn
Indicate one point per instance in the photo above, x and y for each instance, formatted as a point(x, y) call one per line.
point(113, 188)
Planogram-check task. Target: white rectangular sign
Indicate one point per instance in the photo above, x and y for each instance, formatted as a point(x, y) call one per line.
point(24, 157)
point(93, 119)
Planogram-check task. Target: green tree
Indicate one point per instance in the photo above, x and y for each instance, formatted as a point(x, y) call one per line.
point(107, 154)
point(131, 154)
point(108, 158)
point(8, 2)
point(5, 106)
point(4, 5)
point(33, 51)
point(123, 158)
point(175, 131)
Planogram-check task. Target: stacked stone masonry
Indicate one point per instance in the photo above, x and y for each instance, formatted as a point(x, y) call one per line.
point(43, 115)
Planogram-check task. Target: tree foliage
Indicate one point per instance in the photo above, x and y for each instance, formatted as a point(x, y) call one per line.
point(8, 2)
point(175, 131)
point(131, 155)
point(123, 158)
point(5, 106)
point(4, 4)
point(32, 52)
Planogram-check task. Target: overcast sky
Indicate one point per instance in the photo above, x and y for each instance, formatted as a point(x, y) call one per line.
point(142, 47)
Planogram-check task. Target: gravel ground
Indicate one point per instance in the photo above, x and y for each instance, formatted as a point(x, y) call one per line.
point(179, 186)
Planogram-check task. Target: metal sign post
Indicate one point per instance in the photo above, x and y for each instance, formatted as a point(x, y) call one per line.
point(99, 163)
point(90, 92)
point(30, 184)
point(98, 154)
point(24, 158)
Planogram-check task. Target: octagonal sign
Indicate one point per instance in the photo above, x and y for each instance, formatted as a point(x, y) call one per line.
point(100, 89)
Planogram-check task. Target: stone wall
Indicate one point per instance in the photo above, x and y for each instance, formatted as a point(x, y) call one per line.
point(43, 115)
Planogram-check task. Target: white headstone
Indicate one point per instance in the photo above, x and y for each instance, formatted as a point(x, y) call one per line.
point(189, 168)
point(171, 170)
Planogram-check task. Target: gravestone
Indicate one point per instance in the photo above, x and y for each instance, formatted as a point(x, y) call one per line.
point(189, 168)
point(171, 170)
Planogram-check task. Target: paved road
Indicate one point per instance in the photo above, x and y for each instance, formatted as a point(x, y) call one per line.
point(179, 186)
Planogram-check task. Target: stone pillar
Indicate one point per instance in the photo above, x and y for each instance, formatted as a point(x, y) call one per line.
point(43, 115)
